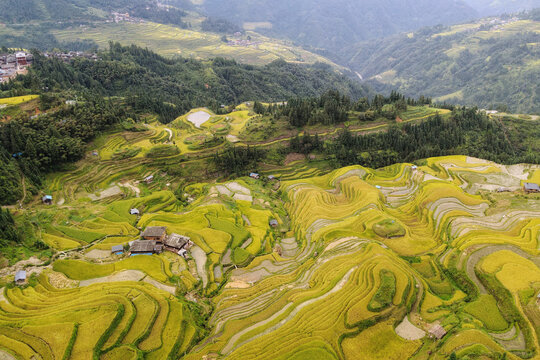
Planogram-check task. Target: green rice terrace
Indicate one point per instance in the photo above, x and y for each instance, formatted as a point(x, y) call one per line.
point(418, 261)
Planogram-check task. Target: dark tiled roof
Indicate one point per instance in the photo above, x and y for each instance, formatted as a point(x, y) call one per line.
point(155, 231)
point(143, 246)
point(117, 248)
point(176, 241)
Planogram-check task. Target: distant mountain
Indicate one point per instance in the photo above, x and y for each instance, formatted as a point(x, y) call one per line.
point(489, 62)
point(498, 7)
point(333, 24)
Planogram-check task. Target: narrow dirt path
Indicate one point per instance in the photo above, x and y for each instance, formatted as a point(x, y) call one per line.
point(200, 260)
point(170, 133)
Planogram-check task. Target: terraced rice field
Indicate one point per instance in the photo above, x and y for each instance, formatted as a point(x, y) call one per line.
point(170, 41)
point(362, 264)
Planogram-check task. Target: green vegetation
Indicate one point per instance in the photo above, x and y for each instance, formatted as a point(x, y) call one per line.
point(388, 229)
point(385, 293)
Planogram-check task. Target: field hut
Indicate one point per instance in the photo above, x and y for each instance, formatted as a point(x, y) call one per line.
point(20, 277)
point(145, 247)
point(47, 199)
point(134, 212)
point(531, 188)
point(149, 179)
point(156, 233)
point(274, 223)
point(117, 249)
point(437, 331)
point(254, 176)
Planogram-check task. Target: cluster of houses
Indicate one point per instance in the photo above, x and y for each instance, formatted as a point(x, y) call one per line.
point(257, 176)
point(125, 17)
point(17, 63)
point(14, 64)
point(154, 241)
point(243, 42)
point(69, 56)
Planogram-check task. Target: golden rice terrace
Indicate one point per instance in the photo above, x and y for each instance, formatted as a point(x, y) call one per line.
point(410, 261)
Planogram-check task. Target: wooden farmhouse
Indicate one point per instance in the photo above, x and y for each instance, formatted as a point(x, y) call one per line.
point(156, 233)
point(145, 247)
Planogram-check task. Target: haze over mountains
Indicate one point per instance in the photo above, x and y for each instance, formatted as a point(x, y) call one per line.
point(497, 7)
point(333, 24)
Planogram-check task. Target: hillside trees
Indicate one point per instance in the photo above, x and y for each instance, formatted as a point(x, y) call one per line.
point(466, 132)
point(8, 229)
point(172, 87)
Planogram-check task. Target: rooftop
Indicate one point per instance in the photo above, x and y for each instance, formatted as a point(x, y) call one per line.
point(143, 246)
point(176, 241)
point(20, 275)
point(155, 231)
point(532, 186)
point(117, 248)
point(437, 330)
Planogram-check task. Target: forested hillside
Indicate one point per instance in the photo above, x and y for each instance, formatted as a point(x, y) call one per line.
point(133, 71)
point(332, 24)
point(488, 63)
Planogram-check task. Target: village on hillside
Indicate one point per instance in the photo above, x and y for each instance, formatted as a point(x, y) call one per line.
point(17, 63)
point(14, 64)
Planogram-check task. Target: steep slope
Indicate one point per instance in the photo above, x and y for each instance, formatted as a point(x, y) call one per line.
point(337, 23)
point(486, 63)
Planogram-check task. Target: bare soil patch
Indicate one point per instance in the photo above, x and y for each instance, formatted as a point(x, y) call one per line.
point(112, 191)
point(408, 331)
point(126, 275)
point(167, 288)
point(98, 254)
point(200, 259)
